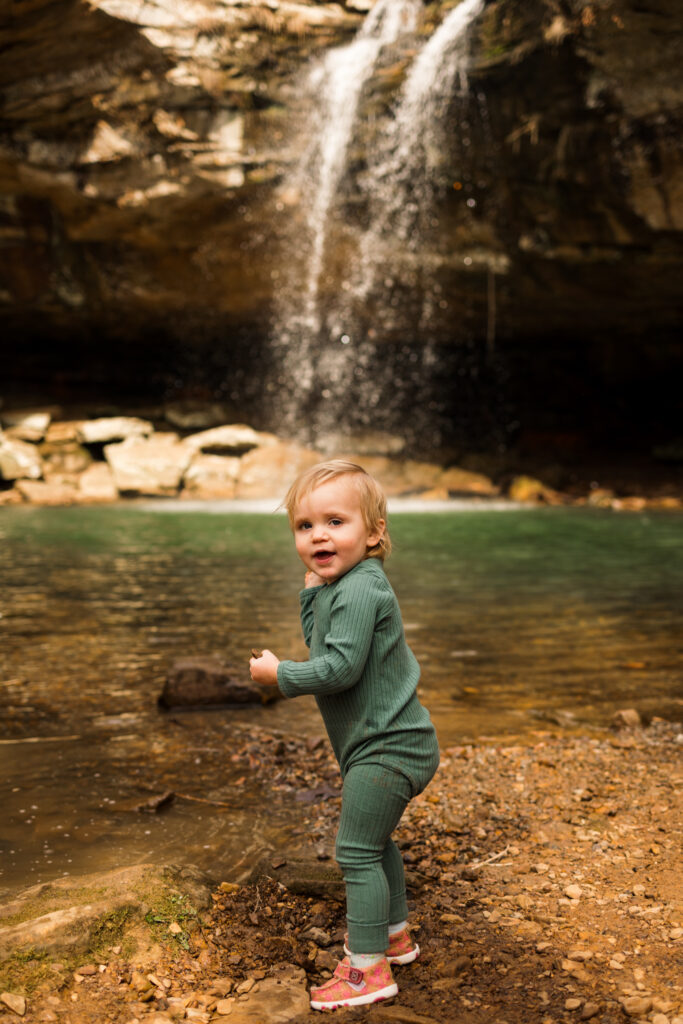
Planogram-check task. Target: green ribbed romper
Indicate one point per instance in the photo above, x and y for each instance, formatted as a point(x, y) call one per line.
point(364, 678)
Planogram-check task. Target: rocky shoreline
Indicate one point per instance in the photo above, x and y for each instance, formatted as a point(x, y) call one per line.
point(545, 880)
point(49, 458)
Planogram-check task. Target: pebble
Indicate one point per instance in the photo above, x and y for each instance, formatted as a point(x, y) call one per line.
point(574, 892)
point(14, 1002)
point(245, 986)
point(224, 1007)
point(589, 1010)
point(659, 1018)
point(636, 1006)
point(573, 1003)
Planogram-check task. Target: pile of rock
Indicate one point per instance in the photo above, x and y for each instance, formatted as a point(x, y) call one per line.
point(47, 461)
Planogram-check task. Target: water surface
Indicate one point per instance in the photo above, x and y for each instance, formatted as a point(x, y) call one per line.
point(522, 620)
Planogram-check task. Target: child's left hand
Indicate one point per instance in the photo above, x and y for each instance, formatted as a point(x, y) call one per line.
point(264, 669)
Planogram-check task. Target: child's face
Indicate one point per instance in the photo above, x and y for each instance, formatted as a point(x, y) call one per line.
point(329, 530)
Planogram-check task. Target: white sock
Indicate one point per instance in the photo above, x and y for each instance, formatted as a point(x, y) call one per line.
point(393, 928)
point(365, 960)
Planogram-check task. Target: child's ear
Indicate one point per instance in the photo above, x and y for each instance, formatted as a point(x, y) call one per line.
point(378, 532)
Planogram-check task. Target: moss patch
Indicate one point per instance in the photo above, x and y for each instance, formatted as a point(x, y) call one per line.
point(170, 913)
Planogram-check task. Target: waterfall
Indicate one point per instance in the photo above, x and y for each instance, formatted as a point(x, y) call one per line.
point(322, 359)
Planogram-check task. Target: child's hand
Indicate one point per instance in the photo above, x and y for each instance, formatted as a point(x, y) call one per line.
point(311, 579)
point(264, 668)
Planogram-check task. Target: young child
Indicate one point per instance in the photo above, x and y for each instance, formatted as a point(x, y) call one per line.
point(364, 678)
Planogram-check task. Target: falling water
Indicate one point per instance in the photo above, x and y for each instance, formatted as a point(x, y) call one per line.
point(322, 356)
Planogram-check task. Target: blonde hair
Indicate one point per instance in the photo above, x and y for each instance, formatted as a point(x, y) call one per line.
point(373, 502)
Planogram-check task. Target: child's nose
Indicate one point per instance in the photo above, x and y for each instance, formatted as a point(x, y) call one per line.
point(319, 531)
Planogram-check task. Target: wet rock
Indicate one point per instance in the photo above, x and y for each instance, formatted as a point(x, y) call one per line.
point(151, 466)
point(113, 428)
point(19, 460)
point(205, 681)
point(268, 472)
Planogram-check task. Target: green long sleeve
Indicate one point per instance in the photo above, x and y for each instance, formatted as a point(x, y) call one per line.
point(361, 671)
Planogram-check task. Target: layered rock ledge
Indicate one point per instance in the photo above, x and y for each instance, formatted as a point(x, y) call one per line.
point(47, 460)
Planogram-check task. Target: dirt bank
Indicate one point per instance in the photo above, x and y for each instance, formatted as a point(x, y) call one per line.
point(545, 879)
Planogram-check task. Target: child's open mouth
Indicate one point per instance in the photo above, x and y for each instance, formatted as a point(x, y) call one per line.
point(322, 557)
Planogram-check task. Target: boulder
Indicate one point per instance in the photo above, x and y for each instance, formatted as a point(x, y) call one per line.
point(19, 460)
point(280, 998)
point(464, 481)
point(302, 876)
point(55, 491)
point(151, 466)
point(97, 484)
point(399, 477)
point(206, 681)
point(64, 457)
point(626, 718)
point(528, 489)
point(113, 428)
point(212, 476)
point(189, 415)
point(63, 915)
point(231, 439)
point(268, 472)
point(27, 424)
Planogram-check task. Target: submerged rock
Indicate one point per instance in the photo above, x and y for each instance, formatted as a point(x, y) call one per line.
point(205, 681)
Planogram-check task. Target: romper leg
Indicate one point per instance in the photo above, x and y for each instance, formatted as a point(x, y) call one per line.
point(373, 800)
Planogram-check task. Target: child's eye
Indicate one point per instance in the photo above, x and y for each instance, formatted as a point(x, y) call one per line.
point(336, 521)
point(305, 525)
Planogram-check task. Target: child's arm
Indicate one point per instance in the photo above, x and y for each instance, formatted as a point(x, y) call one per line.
point(355, 613)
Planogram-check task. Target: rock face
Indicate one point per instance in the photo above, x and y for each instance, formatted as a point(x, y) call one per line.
point(142, 169)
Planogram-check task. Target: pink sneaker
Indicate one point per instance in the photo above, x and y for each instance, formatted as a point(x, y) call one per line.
point(351, 986)
point(402, 949)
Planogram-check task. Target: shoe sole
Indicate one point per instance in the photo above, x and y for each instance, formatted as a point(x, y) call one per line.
point(404, 958)
point(370, 997)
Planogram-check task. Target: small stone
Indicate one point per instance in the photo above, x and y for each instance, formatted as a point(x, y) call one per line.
point(87, 970)
point(574, 892)
point(636, 1006)
point(627, 718)
point(224, 1007)
point(676, 933)
point(14, 1002)
point(245, 986)
point(541, 868)
point(589, 1010)
point(659, 1018)
point(174, 928)
point(580, 954)
point(543, 947)
point(139, 982)
point(572, 1004)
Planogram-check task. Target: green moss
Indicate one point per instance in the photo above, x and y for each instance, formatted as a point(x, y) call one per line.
point(110, 931)
point(25, 971)
point(170, 909)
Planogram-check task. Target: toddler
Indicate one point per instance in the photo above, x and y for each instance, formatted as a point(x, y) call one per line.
point(364, 678)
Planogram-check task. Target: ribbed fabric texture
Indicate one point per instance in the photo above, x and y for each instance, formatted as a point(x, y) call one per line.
point(363, 675)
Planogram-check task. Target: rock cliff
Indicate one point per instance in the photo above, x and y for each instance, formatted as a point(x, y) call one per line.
point(144, 149)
